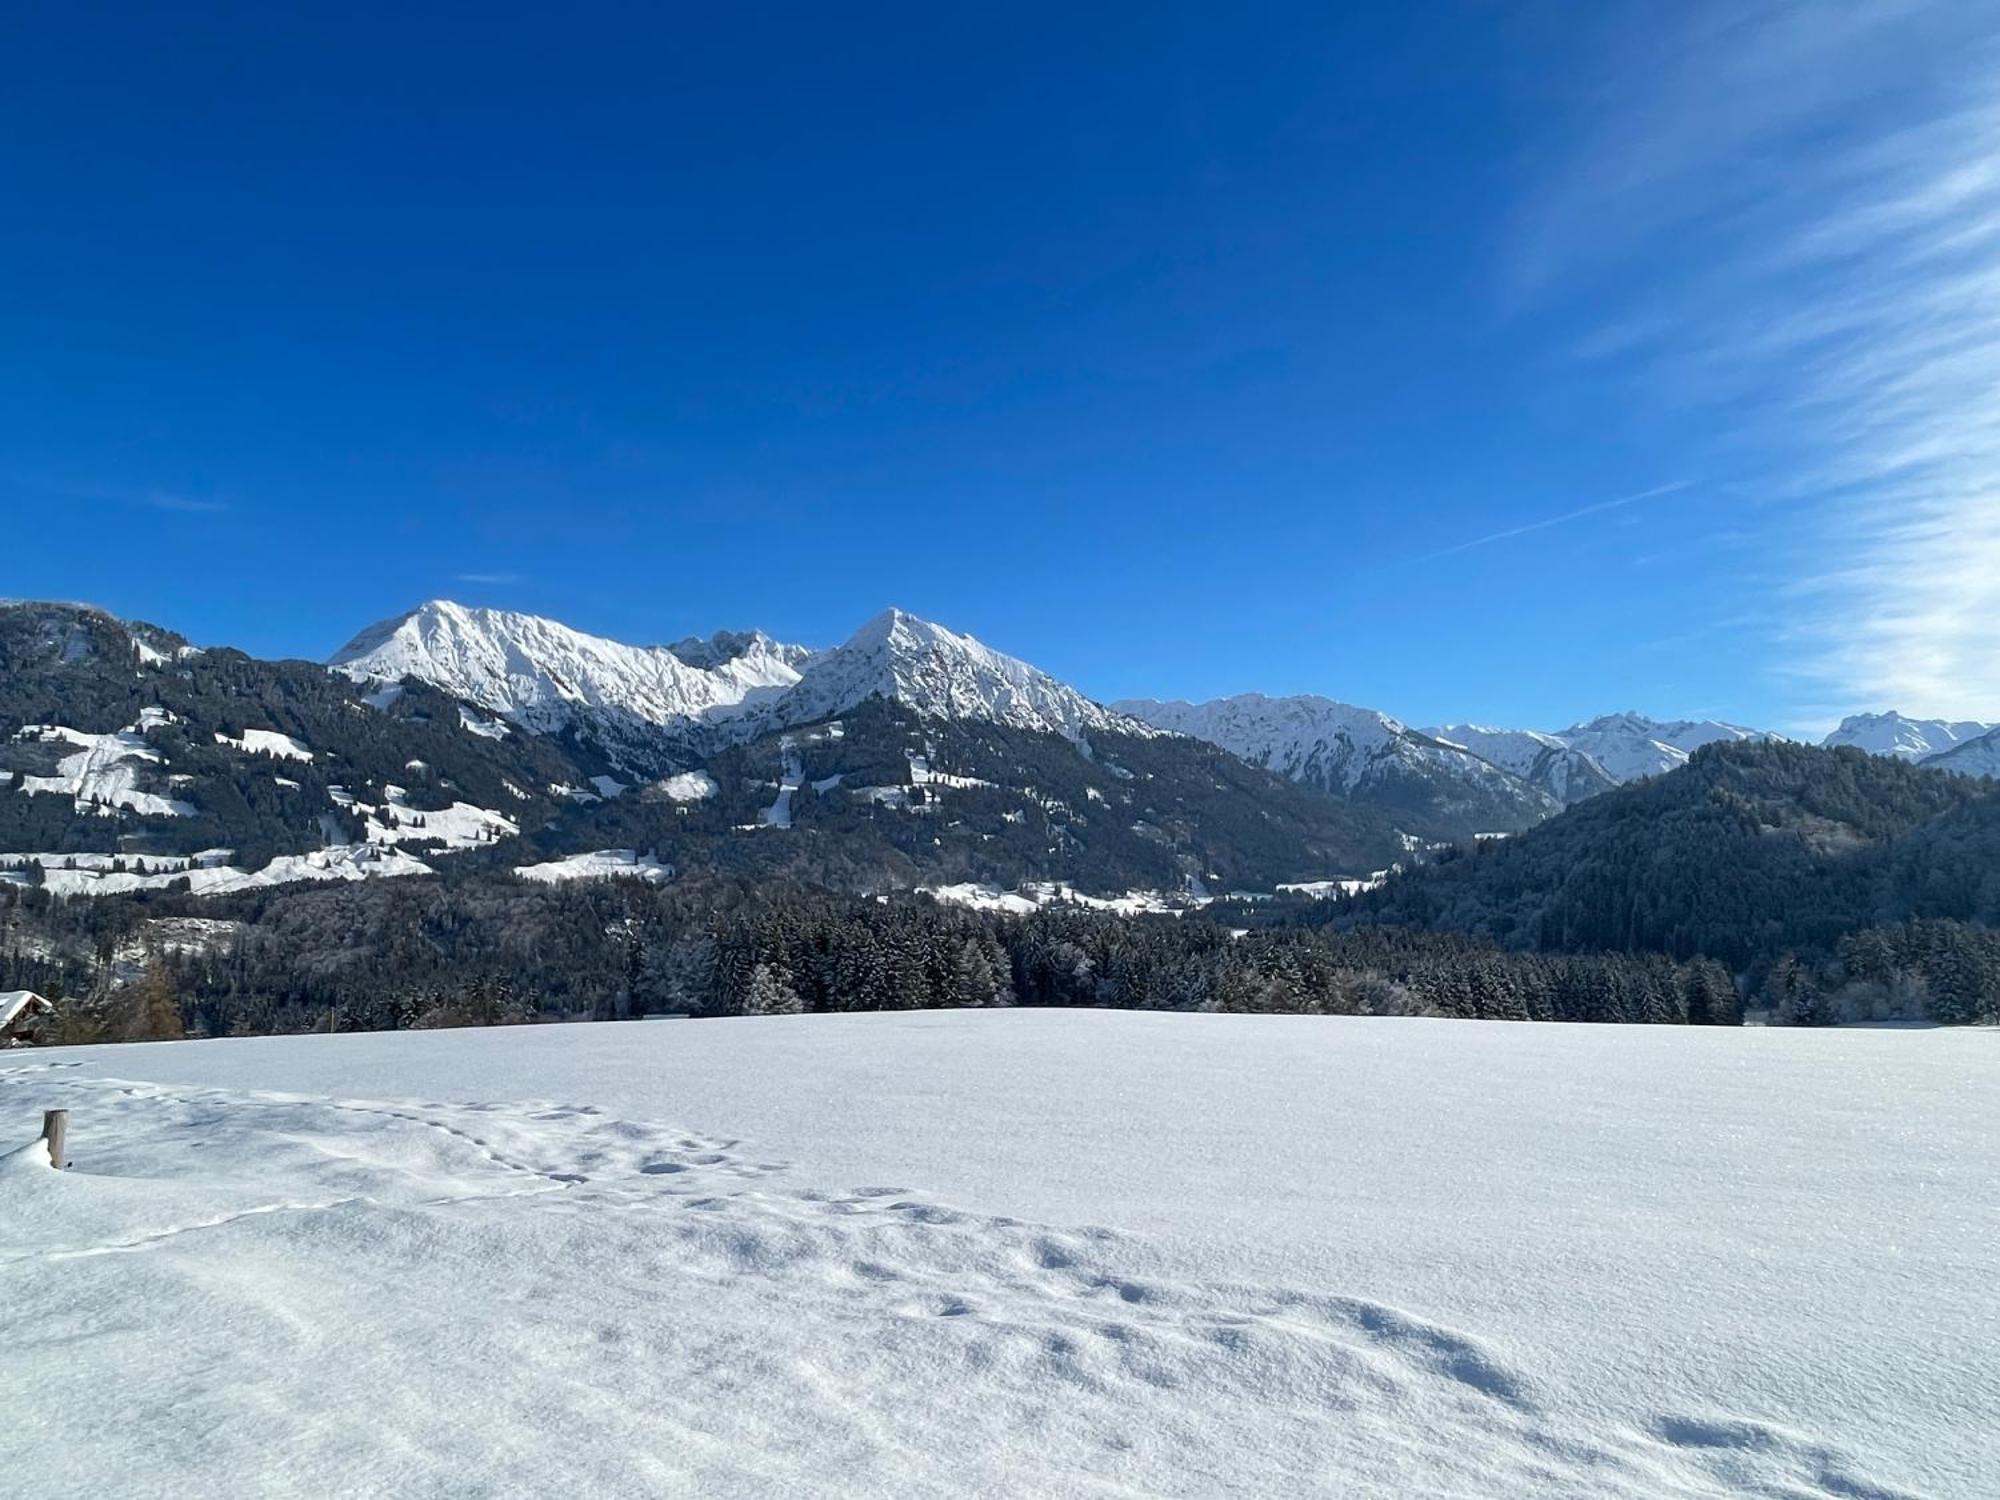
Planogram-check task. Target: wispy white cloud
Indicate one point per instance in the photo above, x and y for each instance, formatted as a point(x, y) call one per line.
point(1844, 318)
point(488, 578)
point(95, 494)
point(1567, 516)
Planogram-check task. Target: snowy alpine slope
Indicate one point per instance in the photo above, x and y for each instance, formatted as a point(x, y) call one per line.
point(1543, 760)
point(540, 673)
point(1004, 1253)
point(1349, 751)
point(1892, 733)
point(1975, 757)
point(938, 673)
point(1630, 745)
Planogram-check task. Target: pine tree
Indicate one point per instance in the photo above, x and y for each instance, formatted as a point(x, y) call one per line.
point(770, 993)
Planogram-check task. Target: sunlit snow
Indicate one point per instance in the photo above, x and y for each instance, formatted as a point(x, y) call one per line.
point(103, 773)
point(599, 864)
point(996, 1253)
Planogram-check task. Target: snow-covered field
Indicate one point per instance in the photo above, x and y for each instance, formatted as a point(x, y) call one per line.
point(1035, 1254)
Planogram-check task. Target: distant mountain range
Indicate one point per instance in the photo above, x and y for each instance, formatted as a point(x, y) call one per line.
point(704, 692)
point(1362, 755)
point(462, 739)
point(907, 755)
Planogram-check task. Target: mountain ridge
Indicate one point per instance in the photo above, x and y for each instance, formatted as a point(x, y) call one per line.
point(1351, 752)
point(908, 752)
point(127, 768)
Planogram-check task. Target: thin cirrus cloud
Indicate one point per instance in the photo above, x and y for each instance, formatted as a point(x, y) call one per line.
point(487, 578)
point(99, 494)
point(1580, 513)
point(1833, 173)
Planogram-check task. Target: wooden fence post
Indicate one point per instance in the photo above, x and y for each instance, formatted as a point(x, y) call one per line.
point(55, 1123)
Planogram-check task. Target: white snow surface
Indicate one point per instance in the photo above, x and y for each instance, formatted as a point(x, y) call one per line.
point(1908, 739)
point(689, 786)
point(600, 864)
point(791, 776)
point(490, 729)
point(267, 742)
point(995, 1253)
point(212, 874)
point(748, 658)
point(459, 826)
point(985, 896)
point(1035, 895)
point(1326, 890)
point(104, 771)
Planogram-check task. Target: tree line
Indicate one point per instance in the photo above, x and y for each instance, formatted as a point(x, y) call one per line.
point(412, 954)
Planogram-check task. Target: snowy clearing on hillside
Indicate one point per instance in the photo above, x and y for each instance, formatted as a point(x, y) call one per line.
point(983, 896)
point(599, 864)
point(1034, 895)
point(210, 873)
point(689, 786)
point(1326, 890)
point(489, 729)
point(791, 778)
point(104, 772)
point(1009, 1253)
point(460, 826)
point(267, 742)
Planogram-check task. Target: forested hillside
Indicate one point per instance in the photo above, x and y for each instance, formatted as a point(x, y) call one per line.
point(470, 951)
point(882, 800)
point(122, 739)
point(1750, 853)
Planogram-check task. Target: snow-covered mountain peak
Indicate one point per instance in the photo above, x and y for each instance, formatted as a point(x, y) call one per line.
point(539, 672)
point(1564, 772)
point(730, 685)
point(1348, 750)
point(940, 674)
point(1286, 730)
point(1629, 744)
point(1892, 733)
point(711, 652)
point(752, 665)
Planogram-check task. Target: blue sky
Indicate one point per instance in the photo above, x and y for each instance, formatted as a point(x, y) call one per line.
point(1509, 362)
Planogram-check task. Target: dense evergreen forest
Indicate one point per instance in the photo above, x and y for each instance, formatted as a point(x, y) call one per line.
point(1749, 852)
point(381, 955)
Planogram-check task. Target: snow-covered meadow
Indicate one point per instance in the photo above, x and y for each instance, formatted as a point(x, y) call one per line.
point(999, 1253)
